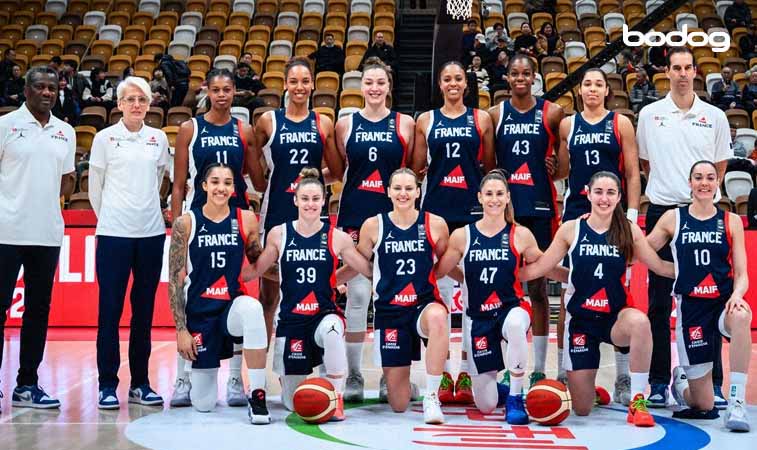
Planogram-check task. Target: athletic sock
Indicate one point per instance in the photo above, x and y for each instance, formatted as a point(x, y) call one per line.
point(738, 386)
point(639, 382)
point(256, 378)
point(621, 364)
point(540, 353)
point(447, 366)
point(432, 383)
point(464, 366)
point(338, 384)
point(560, 368)
point(235, 363)
point(516, 384)
point(354, 356)
point(181, 371)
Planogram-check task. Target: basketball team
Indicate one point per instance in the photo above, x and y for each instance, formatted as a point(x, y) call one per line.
point(488, 219)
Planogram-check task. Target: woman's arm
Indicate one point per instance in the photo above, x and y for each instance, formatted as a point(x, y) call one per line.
point(563, 157)
point(663, 231)
point(177, 263)
point(368, 238)
point(267, 257)
point(180, 167)
point(344, 247)
point(452, 255)
point(631, 165)
point(331, 157)
point(646, 254)
point(740, 275)
point(260, 137)
point(548, 261)
point(417, 155)
point(487, 141)
point(252, 229)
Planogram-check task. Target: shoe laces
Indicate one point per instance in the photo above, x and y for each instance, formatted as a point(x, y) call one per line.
point(446, 382)
point(463, 381)
point(640, 404)
point(180, 383)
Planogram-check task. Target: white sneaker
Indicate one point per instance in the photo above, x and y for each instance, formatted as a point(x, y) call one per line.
point(735, 418)
point(622, 392)
point(353, 390)
point(432, 409)
point(679, 385)
point(235, 392)
point(180, 395)
point(383, 393)
point(415, 392)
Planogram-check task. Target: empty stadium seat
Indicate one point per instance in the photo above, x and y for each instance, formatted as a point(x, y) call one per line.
point(179, 50)
point(150, 6)
point(738, 184)
point(361, 6)
point(225, 62)
point(280, 48)
point(95, 18)
point(737, 118)
point(193, 19)
point(316, 6)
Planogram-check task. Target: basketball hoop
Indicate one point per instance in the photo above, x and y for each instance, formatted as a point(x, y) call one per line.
point(459, 9)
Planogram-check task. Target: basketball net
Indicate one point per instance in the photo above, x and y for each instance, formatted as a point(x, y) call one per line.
point(459, 9)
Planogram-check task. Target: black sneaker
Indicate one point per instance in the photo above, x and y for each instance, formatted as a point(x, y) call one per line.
point(257, 409)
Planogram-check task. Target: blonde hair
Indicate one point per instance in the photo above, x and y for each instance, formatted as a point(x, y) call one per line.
point(136, 82)
point(310, 175)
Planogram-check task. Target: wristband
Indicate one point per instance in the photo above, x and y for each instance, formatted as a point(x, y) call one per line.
point(632, 214)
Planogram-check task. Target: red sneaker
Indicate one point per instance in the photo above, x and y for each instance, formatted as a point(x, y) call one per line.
point(463, 389)
point(638, 414)
point(446, 389)
point(602, 396)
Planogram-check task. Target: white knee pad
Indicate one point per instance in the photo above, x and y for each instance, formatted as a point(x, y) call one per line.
point(289, 384)
point(446, 288)
point(246, 319)
point(697, 370)
point(204, 393)
point(514, 330)
point(358, 298)
point(330, 337)
point(485, 391)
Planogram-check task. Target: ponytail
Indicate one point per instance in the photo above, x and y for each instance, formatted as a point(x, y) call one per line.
point(310, 175)
point(620, 233)
point(499, 175)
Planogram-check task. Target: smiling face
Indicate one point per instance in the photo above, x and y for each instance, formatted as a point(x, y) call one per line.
point(41, 92)
point(299, 84)
point(219, 185)
point(375, 87)
point(494, 197)
point(403, 191)
point(134, 104)
point(309, 200)
point(604, 196)
point(594, 89)
point(221, 92)
point(452, 82)
point(703, 182)
point(521, 77)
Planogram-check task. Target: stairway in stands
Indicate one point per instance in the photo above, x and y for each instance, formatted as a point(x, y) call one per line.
point(414, 42)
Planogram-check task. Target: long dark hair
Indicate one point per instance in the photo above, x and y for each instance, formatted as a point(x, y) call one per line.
point(499, 175)
point(620, 233)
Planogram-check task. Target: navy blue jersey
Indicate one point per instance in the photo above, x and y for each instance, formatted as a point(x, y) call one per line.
point(702, 256)
point(374, 151)
point(455, 147)
point(214, 262)
point(491, 267)
point(291, 147)
point(403, 268)
point(307, 275)
point(597, 278)
point(523, 142)
point(217, 144)
point(592, 148)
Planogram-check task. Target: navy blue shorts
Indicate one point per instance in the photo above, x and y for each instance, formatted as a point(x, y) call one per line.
point(297, 352)
point(700, 322)
point(397, 343)
point(582, 339)
point(485, 339)
point(541, 228)
point(212, 337)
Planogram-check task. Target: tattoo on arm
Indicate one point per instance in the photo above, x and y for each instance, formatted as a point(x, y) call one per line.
point(253, 249)
point(177, 261)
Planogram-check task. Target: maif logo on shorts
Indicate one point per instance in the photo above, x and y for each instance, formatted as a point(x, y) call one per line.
point(295, 346)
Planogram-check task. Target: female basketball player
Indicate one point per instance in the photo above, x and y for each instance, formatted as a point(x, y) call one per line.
point(373, 142)
point(526, 145)
point(213, 137)
point(403, 244)
point(491, 250)
point(209, 304)
point(450, 145)
point(591, 141)
point(309, 326)
point(599, 249)
point(289, 139)
point(711, 280)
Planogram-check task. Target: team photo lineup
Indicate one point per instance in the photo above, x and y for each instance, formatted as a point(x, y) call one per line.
point(403, 216)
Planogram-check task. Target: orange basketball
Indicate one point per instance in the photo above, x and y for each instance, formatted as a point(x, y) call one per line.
point(315, 400)
point(548, 402)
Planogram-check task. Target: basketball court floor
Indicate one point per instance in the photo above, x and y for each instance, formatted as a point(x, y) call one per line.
point(70, 372)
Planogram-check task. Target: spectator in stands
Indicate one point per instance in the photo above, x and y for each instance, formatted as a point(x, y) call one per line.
point(548, 42)
point(31, 224)
point(725, 93)
point(737, 15)
point(534, 6)
point(526, 42)
point(177, 74)
point(55, 63)
point(749, 94)
point(656, 60)
point(482, 76)
point(498, 73)
point(468, 37)
point(247, 89)
point(740, 161)
point(76, 81)
point(630, 59)
point(329, 57)
point(247, 59)
point(66, 107)
point(160, 90)
point(480, 50)
point(6, 65)
point(748, 44)
point(99, 92)
point(643, 91)
point(499, 35)
point(502, 45)
point(384, 51)
point(126, 168)
point(13, 92)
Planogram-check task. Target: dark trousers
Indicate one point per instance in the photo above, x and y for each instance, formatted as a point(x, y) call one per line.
point(39, 272)
point(660, 306)
point(117, 258)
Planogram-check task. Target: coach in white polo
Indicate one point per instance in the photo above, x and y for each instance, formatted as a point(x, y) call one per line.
point(36, 150)
point(126, 167)
point(674, 133)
